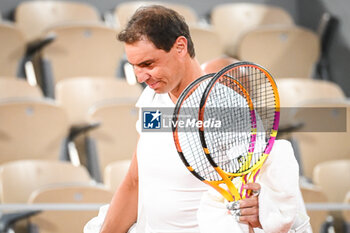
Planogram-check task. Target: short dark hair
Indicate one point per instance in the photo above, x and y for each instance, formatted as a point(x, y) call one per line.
point(161, 25)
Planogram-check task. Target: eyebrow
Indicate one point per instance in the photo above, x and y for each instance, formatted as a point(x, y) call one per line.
point(142, 63)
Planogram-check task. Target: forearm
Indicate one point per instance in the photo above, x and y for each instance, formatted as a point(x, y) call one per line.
point(122, 212)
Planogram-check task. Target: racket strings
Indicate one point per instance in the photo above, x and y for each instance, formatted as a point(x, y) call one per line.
point(195, 156)
point(235, 151)
point(188, 136)
point(261, 93)
point(264, 101)
point(229, 148)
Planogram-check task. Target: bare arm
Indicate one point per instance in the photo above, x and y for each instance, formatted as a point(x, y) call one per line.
point(122, 212)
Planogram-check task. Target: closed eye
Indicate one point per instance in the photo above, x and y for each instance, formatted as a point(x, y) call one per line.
point(144, 64)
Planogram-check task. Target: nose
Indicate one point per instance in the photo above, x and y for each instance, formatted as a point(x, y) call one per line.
point(141, 75)
point(142, 78)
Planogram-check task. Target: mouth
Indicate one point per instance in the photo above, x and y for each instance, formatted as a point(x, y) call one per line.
point(153, 85)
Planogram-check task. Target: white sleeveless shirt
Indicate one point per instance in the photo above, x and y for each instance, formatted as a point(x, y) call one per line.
point(169, 195)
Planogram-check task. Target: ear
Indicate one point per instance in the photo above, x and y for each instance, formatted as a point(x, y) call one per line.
point(180, 45)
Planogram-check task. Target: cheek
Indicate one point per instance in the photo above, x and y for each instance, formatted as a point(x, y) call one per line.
point(154, 71)
point(160, 74)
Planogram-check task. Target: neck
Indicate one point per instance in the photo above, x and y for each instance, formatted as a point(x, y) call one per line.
point(191, 71)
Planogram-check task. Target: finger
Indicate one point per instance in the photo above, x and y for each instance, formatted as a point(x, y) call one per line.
point(249, 202)
point(249, 211)
point(253, 189)
point(252, 186)
point(245, 211)
point(251, 220)
point(248, 219)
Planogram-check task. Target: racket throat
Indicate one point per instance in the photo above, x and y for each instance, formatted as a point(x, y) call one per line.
point(231, 188)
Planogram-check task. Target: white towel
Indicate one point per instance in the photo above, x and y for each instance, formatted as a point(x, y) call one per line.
point(95, 224)
point(278, 199)
point(214, 217)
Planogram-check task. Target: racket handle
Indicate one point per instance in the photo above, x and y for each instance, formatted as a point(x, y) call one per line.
point(248, 193)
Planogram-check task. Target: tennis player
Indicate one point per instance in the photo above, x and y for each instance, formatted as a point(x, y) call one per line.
point(158, 193)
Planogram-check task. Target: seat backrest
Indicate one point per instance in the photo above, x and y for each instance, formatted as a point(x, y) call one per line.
point(117, 137)
point(115, 172)
point(333, 177)
point(12, 47)
point(32, 129)
point(123, 11)
point(346, 213)
point(286, 51)
point(314, 194)
point(63, 221)
point(203, 40)
point(88, 50)
point(18, 179)
point(34, 17)
point(325, 135)
point(295, 91)
point(231, 20)
point(11, 87)
point(77, 95)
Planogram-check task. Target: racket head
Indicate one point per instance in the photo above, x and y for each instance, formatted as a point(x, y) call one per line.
point(187, 141)
point(188, 103)
point(262, 91)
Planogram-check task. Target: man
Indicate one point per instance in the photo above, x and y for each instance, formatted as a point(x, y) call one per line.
point(158, 192)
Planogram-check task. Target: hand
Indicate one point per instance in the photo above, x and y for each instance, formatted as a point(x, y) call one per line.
point(250, 206)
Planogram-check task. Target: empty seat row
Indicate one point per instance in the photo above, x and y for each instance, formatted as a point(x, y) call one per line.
point(102, 110)
point(324, 132)
point(59, 190)
point(92, 50)
point(315, 117)
point(51, 183)
point(81, 47)
point(325, 219)
point(293, 92)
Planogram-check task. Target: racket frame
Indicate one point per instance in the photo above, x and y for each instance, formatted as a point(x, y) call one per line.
point(254, 170)
point(184, 95)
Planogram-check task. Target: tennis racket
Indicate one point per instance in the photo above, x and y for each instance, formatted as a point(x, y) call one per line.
point(187, 138)
point(249, 117)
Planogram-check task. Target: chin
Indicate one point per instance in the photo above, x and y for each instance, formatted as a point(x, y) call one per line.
point(159, 91)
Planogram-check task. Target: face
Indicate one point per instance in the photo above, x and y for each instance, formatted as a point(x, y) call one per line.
point(159, 69)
